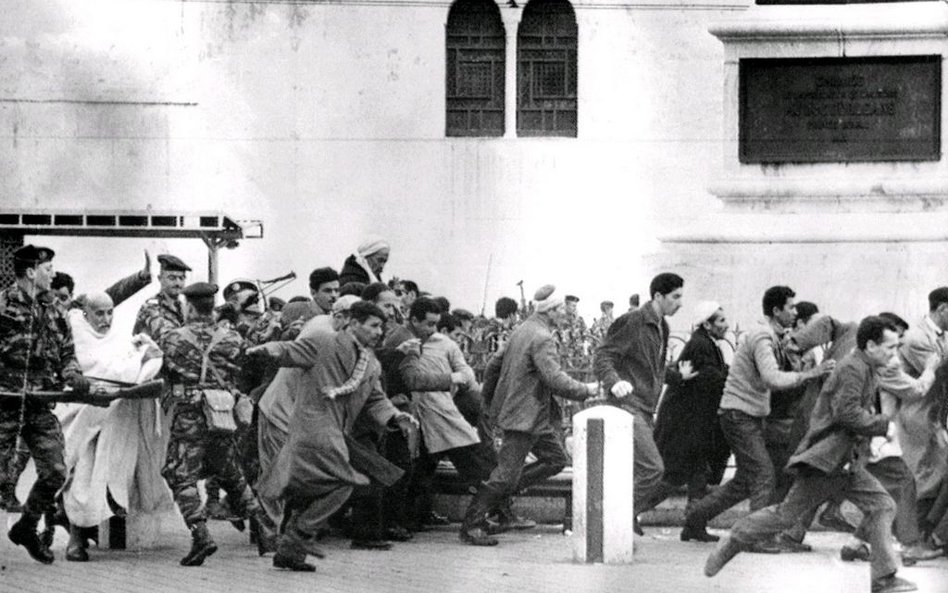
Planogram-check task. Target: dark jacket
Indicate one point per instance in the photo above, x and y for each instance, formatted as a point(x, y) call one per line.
point(634, 351)
point(842, 419)
point(353, 272)
point(688, 417)
point(530, 375)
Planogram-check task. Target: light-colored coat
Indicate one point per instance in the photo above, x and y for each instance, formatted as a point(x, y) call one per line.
point(315, 458)
point(442, 425)
point(923, 444)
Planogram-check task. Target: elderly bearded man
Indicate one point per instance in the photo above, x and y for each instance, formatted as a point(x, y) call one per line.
point(103, 444)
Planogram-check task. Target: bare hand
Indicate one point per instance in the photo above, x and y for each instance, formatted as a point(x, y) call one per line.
point(458, 378)
point(826, 367)
point(412, 346)
point(686, 370)
point(622, 389)
point(258, 351)
point(146, 271)
point(592, 389)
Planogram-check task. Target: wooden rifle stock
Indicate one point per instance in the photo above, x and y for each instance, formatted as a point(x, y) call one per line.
point(148, 390)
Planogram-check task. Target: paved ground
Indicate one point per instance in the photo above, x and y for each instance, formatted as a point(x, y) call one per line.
point(540, 561)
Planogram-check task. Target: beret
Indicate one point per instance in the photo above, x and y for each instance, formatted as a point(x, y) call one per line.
point(572, 299)
point(199, 289)
point(543, 292)
point(172, 263)
point(31, 254)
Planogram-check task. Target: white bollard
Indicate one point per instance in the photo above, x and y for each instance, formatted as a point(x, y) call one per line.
point(602, 486)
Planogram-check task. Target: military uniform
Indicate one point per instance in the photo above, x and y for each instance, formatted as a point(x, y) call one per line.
point(193, 452)
point(572, 343)
point(36, 353)
point(159, 315)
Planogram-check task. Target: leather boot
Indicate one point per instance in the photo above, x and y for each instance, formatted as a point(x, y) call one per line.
point(265, 530)
point(202, 545)
point(76, 548)
point(23, 533)
point(290, 555)
point(474, 527)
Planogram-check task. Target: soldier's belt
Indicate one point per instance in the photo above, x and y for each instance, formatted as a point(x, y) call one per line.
point(149, 390)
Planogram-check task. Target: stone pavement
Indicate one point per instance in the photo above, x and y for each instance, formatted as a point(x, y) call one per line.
point(539, 561)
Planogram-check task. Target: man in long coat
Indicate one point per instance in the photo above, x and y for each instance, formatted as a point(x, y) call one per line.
point(687, 431)
point(315, 470)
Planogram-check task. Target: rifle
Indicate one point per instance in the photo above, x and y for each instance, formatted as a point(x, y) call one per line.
point(523, 302)
point(149, 390)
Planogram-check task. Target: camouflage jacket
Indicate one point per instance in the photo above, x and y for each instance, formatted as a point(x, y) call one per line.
point(36, 348)
point(158, 316)
point(184, 349)
point(262, 329)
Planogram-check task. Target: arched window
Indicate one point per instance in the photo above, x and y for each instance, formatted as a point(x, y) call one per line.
point(475, 69)
point(546, 69)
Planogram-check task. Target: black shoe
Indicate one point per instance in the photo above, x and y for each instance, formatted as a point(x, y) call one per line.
point(726, 550)
point(23, 533)
point(76, 548)
point(477, 536)
point(370, 544)
point(636, 528)
point(48, 535)
point(264, 533)
point(398, 534)
point(76, 553)
point(850, 553)
point(697, 534)
point(294, 563)
point(202, 546)
point(892, 584)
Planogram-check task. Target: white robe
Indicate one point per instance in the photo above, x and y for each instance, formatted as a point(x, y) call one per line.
point(103, 444)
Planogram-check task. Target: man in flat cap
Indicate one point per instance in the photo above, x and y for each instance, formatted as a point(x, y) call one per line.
point(36, 353)
point(687, 431)
point(367, 263)
point(526, 374)
point(201, 357)
point(164, 311)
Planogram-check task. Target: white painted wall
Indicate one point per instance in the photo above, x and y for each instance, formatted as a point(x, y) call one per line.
point(326, 121)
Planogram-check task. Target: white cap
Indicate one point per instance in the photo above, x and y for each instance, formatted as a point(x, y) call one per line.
point(704, 311)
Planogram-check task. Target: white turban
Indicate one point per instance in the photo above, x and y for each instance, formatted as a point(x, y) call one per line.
point(547, 299)
point(705, 311)
point(371, 245)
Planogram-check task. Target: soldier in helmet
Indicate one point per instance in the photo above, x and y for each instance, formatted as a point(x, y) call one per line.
point(201, 357)
point(36, 353)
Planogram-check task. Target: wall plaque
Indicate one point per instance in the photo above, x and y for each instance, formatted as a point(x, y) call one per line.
point(811, 110)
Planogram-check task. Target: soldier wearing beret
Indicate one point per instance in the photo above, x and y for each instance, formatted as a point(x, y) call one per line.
point(194, 452)
point(572, 337)
point(164, 311)
point(36, 353)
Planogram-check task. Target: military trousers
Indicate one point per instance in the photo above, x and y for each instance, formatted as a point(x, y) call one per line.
point(43, 436)
point(194, 453)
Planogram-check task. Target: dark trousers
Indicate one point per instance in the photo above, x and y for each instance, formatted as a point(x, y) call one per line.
point(809, 491)
point(778, 438)
point(43, 436)
point(651, 487)
point(933, 513)
point(754, 478)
